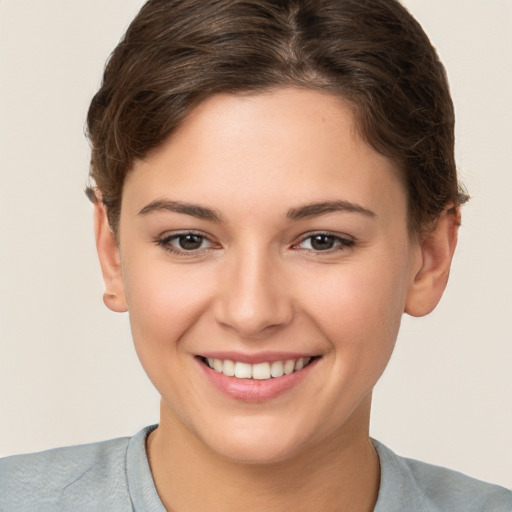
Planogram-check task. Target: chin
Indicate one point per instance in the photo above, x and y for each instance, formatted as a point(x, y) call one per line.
point(257, 444)
point(257, 453)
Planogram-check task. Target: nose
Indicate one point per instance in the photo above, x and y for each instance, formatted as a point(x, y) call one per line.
point(253, 299)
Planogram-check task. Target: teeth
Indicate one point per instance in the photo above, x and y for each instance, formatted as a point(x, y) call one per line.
point(260, 371)
point(301, 363)
point(228, 368)
point(289, 367)
point(277, 369)
point(243, 371)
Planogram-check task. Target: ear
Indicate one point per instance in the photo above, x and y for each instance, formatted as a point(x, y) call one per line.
point(433, 269)
point(110, 261)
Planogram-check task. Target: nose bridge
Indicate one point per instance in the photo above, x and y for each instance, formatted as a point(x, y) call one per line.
point(252, 298)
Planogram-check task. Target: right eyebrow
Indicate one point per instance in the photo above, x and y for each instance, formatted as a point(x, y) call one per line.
point(191, 209)
point(321, 208)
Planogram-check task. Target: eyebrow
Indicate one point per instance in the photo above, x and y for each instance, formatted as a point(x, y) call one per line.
point(194, 210)
point(302, 212)
point(315, 209)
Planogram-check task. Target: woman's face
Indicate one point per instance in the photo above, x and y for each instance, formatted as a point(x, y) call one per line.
point(262, 236)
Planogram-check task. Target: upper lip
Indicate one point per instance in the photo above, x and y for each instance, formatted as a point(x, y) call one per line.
point(260, 357)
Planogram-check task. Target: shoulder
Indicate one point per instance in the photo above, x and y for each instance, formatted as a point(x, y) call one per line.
point(433, 488)
point(449, 488)
point(41, 481)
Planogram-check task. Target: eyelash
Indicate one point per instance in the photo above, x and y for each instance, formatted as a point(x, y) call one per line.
point(166, 242)
point(340, 243)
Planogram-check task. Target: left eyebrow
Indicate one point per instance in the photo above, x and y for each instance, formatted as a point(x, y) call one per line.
point(315, 209)
point(193, 210)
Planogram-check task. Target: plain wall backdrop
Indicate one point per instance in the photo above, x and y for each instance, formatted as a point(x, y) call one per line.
point(68, 371)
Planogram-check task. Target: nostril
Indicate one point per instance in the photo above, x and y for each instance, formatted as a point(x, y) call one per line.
point(250, 299)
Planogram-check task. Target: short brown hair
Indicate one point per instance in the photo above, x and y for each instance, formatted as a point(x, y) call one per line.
point(374, 54)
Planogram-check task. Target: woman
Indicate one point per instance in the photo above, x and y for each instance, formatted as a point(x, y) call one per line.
point(274, 185)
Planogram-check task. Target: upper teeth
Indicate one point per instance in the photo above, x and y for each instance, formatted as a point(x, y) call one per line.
point(260, 371)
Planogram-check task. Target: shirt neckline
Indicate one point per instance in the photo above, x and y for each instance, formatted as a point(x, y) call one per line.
point(394, 488)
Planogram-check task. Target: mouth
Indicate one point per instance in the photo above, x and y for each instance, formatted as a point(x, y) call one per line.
point(265, 370)
point(256, 377)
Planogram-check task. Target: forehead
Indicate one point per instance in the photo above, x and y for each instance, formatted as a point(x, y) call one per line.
point(278, 148)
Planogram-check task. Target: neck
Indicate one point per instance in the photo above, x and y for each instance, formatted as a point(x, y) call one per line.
point(342, 473)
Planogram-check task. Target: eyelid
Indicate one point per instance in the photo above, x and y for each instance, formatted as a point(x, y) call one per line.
point(164, 240)
point(344, 241)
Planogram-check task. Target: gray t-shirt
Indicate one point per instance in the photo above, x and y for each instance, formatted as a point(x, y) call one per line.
point(114, 476)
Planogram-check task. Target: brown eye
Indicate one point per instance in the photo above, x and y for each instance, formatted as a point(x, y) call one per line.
point(325, 242)
point(186, 243)
point(322, 242)
point(190, 242)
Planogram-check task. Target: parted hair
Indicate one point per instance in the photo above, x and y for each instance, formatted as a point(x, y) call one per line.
point(372, 53)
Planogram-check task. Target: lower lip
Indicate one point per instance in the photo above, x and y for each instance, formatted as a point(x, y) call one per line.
point(254, 390)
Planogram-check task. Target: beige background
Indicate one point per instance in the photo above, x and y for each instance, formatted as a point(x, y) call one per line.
point(68, 373)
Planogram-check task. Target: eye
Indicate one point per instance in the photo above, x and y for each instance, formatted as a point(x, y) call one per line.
point(185, 242)
point(190, 241)
point(323, 242)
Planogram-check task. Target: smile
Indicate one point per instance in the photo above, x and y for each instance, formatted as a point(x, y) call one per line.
point(259, 371)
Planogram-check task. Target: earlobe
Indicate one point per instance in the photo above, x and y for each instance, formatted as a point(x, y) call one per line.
point(430, 279)
point(110, 261)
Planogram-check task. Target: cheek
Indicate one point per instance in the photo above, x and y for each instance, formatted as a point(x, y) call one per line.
point(163, 302)
point(359, 305)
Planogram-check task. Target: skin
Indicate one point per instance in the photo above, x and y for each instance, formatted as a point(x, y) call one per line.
point(257, 285)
